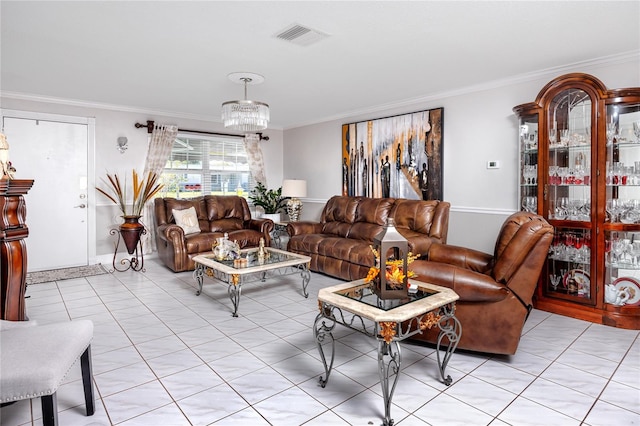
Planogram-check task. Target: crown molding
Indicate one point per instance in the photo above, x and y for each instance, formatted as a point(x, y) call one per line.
point(621, 58)
point(99, 105)
point(632, 56)
point(110, 107)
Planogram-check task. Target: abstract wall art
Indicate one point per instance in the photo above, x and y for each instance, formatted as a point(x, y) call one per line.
point(397, 157)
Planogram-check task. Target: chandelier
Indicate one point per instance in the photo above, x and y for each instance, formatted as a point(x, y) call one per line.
point(245, 115)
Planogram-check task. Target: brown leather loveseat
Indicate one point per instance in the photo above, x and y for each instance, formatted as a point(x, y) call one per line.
point(339, 245)
point(216, 215)
point(495, 290)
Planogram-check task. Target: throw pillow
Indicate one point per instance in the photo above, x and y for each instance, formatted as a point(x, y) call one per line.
point(187, 220)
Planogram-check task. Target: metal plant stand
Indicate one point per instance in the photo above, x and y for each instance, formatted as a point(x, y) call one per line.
point(135, 262)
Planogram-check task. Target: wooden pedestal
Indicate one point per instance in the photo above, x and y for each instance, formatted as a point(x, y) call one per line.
point(13, 251)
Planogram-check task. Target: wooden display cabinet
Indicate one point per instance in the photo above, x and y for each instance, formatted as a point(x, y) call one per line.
point(13, 250)
point(580, 169)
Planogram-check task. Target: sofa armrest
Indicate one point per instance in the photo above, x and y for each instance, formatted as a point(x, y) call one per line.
point(419, 245)
point(440, 225)
point(298, 228)
point(172, 234)
point(469, 285)
point(263, 226)
point(462, 257)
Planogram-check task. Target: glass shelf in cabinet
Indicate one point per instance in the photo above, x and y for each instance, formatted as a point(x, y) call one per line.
point(585, 147)
point(624, 144)
point(622, 265)
point(570, 261)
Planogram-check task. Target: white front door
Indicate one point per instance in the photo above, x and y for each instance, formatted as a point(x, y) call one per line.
point(54, 153)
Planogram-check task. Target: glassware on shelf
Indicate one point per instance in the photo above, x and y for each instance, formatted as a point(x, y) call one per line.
point(618, 248)
point(636, 130)
point(553, 137)
point(530, 174)
point(612, 130)
point(555, 281)
point(562, 208)
point(563, 173)
point(530, 204)
point(553, 175)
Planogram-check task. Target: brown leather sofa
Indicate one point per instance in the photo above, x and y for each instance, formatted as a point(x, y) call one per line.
point(339, 245)
point(496, 290)
point(217, 215)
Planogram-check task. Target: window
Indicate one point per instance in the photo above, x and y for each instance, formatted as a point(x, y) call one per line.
point(203, 164)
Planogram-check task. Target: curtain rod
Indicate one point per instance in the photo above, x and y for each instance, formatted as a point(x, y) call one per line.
point(150, 124)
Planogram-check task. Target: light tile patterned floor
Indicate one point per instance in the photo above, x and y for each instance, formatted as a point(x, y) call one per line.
point(164, 356)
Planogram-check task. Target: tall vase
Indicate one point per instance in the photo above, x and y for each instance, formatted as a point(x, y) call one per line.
point(131, 230)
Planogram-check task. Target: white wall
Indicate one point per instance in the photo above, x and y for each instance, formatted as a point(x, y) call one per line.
point(110, 124)
point(479, 126)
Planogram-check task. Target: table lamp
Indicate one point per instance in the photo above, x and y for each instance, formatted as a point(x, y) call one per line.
point(294, 188)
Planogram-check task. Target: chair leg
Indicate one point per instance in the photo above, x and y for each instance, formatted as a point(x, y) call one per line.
point(87, 381)
point(49, 410)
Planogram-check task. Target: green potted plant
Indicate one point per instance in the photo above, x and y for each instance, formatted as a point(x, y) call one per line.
point(271, 200)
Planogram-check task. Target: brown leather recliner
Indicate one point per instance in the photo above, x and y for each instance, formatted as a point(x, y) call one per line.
point(496, 290)
point(217, 215)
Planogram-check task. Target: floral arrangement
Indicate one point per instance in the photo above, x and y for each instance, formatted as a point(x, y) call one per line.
point(393, 269)
point(143, 190)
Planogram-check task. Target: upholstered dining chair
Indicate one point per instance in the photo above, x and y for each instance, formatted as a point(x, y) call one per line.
point(496, 290)
point(34, 359)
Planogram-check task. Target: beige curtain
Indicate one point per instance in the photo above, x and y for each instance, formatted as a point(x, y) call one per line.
point(158, 153)
point(254, 157)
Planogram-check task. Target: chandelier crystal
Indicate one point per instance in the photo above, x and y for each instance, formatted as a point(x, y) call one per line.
point(245, 115)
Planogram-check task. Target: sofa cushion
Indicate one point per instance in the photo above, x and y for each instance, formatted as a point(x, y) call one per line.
point(338, 215)
point(227, 207)
point(373, 210)
point(187, 219)
point(246, 237)
point(414, 215)
point(350, 250)
point(175, 204)
point(201, 242)
point(225, 225)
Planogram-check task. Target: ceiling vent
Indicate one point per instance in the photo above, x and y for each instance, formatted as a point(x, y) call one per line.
point(300, 35)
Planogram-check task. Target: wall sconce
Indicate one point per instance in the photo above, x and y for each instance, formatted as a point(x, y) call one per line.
point(122, 144)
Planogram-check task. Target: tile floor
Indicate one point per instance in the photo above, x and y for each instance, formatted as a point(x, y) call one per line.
point(163, 356)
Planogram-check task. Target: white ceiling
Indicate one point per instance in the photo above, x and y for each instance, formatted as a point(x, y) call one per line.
point(174, 56)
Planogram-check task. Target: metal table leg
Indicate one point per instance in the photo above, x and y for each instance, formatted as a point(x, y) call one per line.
point(234, 290)
point(388, 367)
point(306, 277)
point(198, 274)
point(320, 331)
point(451, 329)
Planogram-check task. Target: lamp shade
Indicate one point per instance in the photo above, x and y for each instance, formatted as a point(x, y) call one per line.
point(294, 188)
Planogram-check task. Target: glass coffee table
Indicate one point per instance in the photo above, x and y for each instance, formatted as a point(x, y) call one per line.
point(356, 306)
point(276, 263)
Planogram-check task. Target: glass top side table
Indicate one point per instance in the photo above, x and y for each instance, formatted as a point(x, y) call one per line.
point(356, 306)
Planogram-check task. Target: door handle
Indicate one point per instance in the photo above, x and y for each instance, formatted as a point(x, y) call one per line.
point(82, 206)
